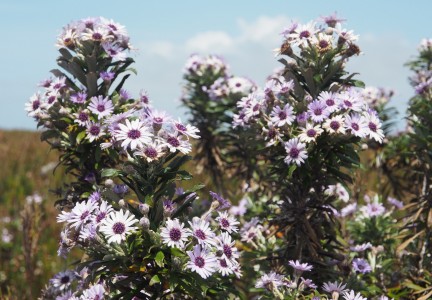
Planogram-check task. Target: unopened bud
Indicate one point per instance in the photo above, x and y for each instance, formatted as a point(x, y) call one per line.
point(144, 208)
point(122, 203)
point(109, 183)
point(144, 223)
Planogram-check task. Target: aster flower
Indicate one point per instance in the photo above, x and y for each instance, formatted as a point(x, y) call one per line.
point(79, 98)
point(133, 134)
point(223, 203)
point(331, 287)
point(34, 105)
point(82, 117)
point(79, 215)
point(63, 280)
point(322, 42)
point(240, 209)
point(100, 106)
point(374, 124)
point(303, 33)
point(227, 248)
point(335, 125)
point(95, 292)
point(348, 210)
point(373, 210)
point(225, 267)
point(356, 124)
point(308, 283)
point(396, 203)
point(240, 85)
point(310, 133)
point(94, 131)
point(202, 232)
point(351, 99)
point(300, 267)
point(151, 151)
point(117, 225)
point(283, 87)
point(351, 295)
point(272, 134)
point(331, 101)
point(58, 83)
point(270, 281)
point(281, 116)
point(332, 20)
point(202, 261)
point(115, 28)
point(97, 34)
point(296, 152)
point(174, 234)
point(68, 38)
point(176, 143)
point(227, 222)
point(361, 248)
point(345, 36)
point(107, 76)
point(317, 111)
point(187, 129)
point(361, 265)
point(102, 211)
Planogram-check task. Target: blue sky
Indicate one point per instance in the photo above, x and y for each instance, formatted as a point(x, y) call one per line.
point(167, 32)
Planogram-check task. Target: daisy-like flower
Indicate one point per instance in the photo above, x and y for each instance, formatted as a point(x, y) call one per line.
point(270, 281)
point(227, 222)
point(174, 234)
point(100, 106)
point(396, 203)
point(202, 261)
point(296, 152)
point(133, 134)
point(334, 287)
point(281, 116)
point(82, 117)
point(223, 203)
point(300, 267)
point(115, 51)
point(348, 210)
point(345, 36)
point(97, 34)
point(175, 142)
point(240, 85)
point(226, 246)
point(95, 292)
point(361, 248)
point(63, 280)
point(94, 131)
point(310, 133)
point(151, 151)
point(58, 83)
point(331, 101)
point(317, 111)
point(225, 267)
point(80, 215)
point(34, 105)
point(351, 295)
point(102, 211)
point(107, 76)
point(187, 129)
point(284, 87)
point(374, 125)
point(271, 134)
point(303, 33)
point(117, 225)
point(356, 124)
point(68, 39)
point(202, 232)
point(361, 265)
point(351, 99)
point(308, 283)
point(332, 20)
point(79, 98)
point(335, 125)
point(322, 42)
point(373, 210)
point(114, 28)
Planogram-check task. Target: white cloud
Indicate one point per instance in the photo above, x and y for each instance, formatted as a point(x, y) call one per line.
point(163, 49)
point(210, 41)
point(264, 29)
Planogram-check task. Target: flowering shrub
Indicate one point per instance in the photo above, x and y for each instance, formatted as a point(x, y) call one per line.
point(125, 209)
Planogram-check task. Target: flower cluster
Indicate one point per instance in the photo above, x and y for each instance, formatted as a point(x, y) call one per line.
point(295, 124)
point(212, 248)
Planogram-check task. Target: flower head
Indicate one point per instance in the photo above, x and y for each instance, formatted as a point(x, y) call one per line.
point(296, 152)
point(174, 234)
point(133, 134)
point(202, 261)
point(117, 225)
point(361, 265)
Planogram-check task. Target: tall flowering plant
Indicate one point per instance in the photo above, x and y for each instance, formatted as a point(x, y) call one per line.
point(125, 208)
point(312, 119)
point(210, 93)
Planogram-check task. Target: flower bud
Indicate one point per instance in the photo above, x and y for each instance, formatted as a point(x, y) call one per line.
point(144, 208)
point(144, 223)
point(122, 203)
point(109, 183)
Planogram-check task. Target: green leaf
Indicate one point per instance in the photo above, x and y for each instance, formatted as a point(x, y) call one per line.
point(159, 259)
point(80, 137)
point(110, 173)
point(155, 279)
